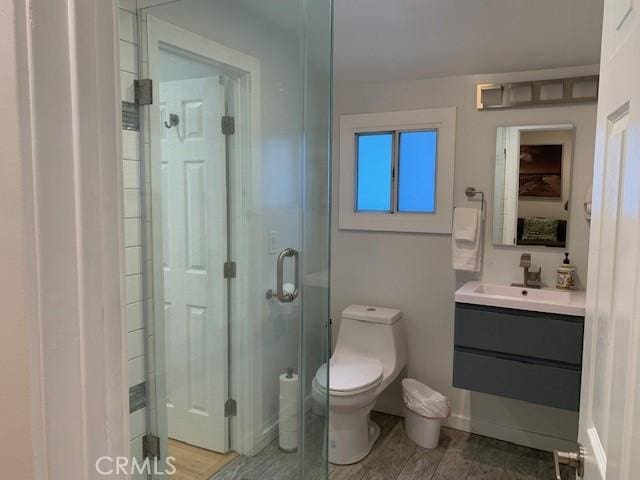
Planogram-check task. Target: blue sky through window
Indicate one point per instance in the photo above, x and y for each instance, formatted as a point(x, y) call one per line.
point(416, 164)
point(417, 175)
point(374, 172)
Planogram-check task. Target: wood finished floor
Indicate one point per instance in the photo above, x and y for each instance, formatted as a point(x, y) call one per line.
point(193, 463)
point(460, 456)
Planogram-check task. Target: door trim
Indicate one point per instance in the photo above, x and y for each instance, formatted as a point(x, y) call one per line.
point(245, 191)
point(73, 322)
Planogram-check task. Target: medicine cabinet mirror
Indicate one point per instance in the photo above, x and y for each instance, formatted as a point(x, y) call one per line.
point(533, 185)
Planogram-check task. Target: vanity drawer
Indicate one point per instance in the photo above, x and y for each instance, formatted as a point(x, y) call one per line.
point(542, 384)
point(530, 334)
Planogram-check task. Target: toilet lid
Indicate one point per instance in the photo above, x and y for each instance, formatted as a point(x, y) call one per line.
point(348, 374)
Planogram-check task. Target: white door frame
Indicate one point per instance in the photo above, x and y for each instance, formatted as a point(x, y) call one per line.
point(69, 128)
point(245, 190)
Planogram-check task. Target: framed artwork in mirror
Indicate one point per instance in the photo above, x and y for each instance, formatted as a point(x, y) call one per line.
point(540, 173)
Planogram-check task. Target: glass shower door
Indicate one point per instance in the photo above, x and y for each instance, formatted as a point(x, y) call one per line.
point(237, 171)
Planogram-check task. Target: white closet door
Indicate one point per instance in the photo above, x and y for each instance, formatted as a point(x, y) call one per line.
point(195, 249)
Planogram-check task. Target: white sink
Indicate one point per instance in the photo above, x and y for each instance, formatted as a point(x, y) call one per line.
point(547, 300)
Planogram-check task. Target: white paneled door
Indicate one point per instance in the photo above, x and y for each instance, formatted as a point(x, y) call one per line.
point(194, 219)
point(610, 405)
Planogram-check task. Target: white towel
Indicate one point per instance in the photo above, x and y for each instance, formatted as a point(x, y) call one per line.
point(467, 255)
point(465, 224)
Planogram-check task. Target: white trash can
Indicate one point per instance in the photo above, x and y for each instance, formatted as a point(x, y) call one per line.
point(424, 409)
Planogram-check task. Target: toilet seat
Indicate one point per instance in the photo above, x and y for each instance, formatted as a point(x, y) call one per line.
point(350, 375)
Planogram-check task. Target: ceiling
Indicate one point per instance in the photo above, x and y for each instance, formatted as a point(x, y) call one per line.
point(389, 40)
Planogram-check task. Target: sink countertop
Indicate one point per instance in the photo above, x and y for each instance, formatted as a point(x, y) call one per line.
point(547, 300)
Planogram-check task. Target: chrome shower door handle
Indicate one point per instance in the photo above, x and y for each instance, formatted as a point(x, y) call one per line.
point(282, 296)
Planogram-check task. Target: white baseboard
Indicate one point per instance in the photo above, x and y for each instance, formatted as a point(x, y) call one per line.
point(267, 436)
point(510, 434)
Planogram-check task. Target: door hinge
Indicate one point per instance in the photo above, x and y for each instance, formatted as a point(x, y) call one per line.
point(230, 408)
point(150, 446)
point(143, 91)
point(230, 270)
point(228, 125)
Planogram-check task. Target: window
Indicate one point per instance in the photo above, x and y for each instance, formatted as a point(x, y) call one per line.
point(396, 171)
point(378, 187)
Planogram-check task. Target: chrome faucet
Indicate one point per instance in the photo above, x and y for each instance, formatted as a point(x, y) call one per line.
point(525, 262)
point(531, 278)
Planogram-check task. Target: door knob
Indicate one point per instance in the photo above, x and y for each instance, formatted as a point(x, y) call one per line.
point(572, 459)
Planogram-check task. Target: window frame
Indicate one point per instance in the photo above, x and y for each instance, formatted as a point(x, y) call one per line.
point(443, 120)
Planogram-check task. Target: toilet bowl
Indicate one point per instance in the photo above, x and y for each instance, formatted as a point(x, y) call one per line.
point(369, 355)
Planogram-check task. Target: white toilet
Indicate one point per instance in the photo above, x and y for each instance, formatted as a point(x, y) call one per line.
point(369, 354)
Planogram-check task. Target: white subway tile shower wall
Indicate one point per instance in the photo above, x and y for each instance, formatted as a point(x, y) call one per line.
point(132, 193)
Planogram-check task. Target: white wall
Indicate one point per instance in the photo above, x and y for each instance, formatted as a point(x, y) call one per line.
point(413, 272)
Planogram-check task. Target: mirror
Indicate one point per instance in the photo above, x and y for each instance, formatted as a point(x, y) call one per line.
point(532, 185)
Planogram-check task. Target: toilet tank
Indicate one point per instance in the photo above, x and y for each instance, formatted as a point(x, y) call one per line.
point(376, 332)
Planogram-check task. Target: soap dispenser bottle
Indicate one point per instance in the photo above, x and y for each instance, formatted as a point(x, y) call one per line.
point(566, 279)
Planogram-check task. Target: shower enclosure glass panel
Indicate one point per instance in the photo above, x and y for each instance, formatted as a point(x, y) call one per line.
point(237, 173)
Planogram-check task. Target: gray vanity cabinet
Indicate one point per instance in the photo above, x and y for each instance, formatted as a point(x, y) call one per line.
point(531, 356)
